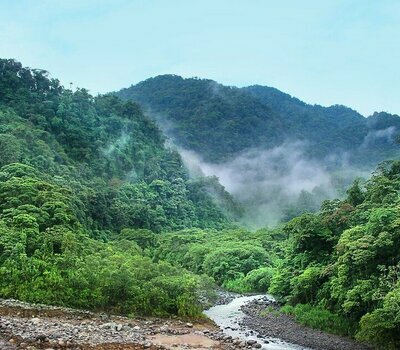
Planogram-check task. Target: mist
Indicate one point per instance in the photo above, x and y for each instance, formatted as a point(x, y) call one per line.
point(272, 184)
point(118, 144)
point(383, 135)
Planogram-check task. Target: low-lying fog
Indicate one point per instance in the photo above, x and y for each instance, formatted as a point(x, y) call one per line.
point(273, 184)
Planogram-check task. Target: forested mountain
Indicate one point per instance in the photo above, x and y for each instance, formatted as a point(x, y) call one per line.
point(219, 122)
point(215, 121)
point(278, 156)
point(75, 172)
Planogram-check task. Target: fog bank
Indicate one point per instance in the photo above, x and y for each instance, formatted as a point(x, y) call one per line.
point(272, 184)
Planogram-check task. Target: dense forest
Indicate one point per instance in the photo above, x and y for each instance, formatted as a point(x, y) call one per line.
point(97, 212)
point(75, 172)
point(218, 122)
point(254, 137)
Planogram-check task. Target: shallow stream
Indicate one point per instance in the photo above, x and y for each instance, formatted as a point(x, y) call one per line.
point(228, 316)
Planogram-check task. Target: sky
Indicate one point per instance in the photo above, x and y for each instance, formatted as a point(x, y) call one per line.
point(321, 51)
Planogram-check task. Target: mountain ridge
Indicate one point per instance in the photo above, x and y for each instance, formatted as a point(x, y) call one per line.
point(260, 116)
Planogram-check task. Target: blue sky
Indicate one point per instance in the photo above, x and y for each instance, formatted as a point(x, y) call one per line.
point(322, 51)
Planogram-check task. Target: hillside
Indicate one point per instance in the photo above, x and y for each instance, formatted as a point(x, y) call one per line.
point(86, 183)
point(278, 156)
point(215, 121)
point(219, 122)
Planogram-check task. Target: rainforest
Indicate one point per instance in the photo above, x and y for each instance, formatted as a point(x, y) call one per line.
point(145, 201)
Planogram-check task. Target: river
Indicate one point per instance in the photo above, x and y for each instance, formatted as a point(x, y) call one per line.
point(228, 316)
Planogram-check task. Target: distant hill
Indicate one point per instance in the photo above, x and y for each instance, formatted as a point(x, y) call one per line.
point(219, 122)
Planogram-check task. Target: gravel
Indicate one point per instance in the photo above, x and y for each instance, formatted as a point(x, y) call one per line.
point(275, 324)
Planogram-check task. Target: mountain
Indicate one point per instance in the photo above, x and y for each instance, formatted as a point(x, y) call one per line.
point(215, 121)
point(219, 122)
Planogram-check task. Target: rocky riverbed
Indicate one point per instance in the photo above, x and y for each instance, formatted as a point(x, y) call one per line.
point(31, 327)
point(274, 324)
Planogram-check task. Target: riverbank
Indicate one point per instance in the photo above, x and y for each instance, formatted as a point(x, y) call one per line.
point(274, 324)
point(31, 327)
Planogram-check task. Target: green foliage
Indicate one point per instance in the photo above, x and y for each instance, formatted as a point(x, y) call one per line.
point(143, 238)
point(233, 258)
point(95, 211)
point(382, 326)
point(86, 184)
point(344, 262)
point(259, 279)
point(106, 152)
point(213, 111)
point(305, 286)
point(355, 195)
point(46, 256)
point(319, 318)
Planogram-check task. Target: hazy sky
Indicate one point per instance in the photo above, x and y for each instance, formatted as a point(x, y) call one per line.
point(322, 51)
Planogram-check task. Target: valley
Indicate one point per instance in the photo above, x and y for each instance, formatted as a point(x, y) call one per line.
point(276, 155)
point(107, 206)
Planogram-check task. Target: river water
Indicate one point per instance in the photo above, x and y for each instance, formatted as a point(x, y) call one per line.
point(228, 316)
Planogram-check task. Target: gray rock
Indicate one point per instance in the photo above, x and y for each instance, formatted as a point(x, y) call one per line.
point(35, 320)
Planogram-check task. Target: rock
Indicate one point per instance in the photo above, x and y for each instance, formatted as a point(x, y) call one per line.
point(104, 317)
point(41, 337)
point(190, 325)
point(136, 328)
point(35, 320)
point(251, 342)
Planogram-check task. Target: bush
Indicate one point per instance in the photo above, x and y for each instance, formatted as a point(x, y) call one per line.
point(237, 285)
point(382, 326)
point(259, 280)
point(319, 318)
